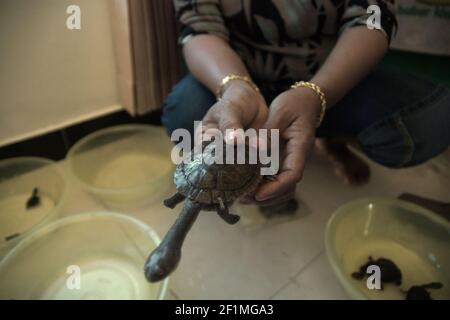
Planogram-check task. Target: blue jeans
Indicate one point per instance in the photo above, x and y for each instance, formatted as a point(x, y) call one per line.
point(398, 119)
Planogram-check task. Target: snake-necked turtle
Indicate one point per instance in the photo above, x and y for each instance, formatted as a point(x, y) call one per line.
point(202, 185)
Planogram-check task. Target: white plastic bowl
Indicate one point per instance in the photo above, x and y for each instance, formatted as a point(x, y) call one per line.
point(124, 164)
point(107, 250)
point(18, 178)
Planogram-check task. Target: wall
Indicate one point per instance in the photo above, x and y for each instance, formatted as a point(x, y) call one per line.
point(50, 76)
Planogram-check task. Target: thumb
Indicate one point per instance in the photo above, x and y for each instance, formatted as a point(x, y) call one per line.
point(275, 121)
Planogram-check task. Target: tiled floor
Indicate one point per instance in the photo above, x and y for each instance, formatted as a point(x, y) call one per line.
point(278, 259)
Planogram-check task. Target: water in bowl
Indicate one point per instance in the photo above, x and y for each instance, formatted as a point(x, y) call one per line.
point(416, 269)
point(16, 220)
point(98, 255)
point(102, 278)
point(127, 170)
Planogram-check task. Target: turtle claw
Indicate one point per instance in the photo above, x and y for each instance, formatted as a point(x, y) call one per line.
point(230, 218)
point(222, 211)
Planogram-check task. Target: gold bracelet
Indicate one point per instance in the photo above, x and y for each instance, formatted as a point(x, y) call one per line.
point(319, 92)
point(230, 77)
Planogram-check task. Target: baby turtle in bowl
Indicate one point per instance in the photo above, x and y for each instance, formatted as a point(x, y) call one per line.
point(33, 200)
point(203, 185)
point(420, 292)
point(390, 273)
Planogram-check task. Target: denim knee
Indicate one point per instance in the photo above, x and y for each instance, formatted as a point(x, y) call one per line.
point(188, 101)
point(412, 135)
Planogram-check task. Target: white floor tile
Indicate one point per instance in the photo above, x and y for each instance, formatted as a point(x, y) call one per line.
point(316, 281)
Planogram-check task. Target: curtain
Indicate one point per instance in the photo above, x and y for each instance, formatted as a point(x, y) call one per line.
point(147, 54)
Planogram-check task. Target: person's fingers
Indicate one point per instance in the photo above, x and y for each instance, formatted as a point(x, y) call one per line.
point(285, 196)
point(296, 152)
point(229, 115)
point(205, 132)
point(274, 188)
point(232, 119)
point(228, 119)
point(280, 199)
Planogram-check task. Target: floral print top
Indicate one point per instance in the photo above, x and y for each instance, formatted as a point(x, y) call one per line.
point(280, 41)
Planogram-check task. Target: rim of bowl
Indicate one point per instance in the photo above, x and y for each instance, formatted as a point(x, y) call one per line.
point(58, 204)
point(93, 135)
point(46, 229)
point(343, 209)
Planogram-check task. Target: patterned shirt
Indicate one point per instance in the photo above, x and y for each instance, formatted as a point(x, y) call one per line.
point(280, 41)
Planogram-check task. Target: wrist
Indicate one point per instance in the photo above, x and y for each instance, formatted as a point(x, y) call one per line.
point(242, 80)
point(306, 98)
point(240, 92)
point(314, 96)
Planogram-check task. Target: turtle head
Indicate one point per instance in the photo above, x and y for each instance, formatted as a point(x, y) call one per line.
point(161, 263)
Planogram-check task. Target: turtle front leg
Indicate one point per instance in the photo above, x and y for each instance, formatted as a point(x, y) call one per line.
point(174, 200)
point(222, 211)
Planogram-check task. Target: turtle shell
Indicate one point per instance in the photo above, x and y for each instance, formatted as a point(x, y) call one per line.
point(201, 180)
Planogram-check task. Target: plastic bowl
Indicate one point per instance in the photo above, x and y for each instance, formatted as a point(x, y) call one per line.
point(18, 178)
point(414, 238)
point(123, 164)
point(86, 256)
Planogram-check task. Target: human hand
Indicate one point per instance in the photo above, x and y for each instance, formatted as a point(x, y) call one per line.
point(241, 107)
point(294, 113)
